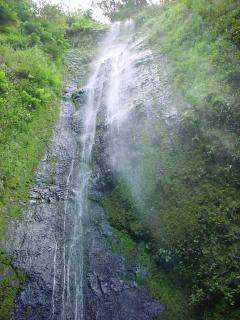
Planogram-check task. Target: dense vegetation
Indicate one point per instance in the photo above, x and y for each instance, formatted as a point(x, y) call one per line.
point(191, 172)
point(198, 193)
point(120, 10)
point(10, 282)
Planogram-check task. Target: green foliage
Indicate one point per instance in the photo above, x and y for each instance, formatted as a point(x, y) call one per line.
point(132, 242)
point(196, 37)
point(122, 212)
point(194, 219)
point(84, 23)
point(8, 18)
point(120, 9)
point(10, 283)
point(4, 258)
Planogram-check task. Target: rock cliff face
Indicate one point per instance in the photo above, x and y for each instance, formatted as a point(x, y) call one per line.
point(71, 270)
point(38, 240)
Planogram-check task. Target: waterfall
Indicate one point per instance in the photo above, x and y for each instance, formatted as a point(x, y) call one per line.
point(110, 137)
point(111, 86)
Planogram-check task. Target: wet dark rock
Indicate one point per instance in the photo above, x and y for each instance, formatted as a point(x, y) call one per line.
point(153, 308)
point(5, 270)
point(106, 229)
point(95, 195)
point(141, 271)
point(144, 60)
point(94, 284)
point(77, 122)
point(116, 284)
point(36, 241)
point(80, 96)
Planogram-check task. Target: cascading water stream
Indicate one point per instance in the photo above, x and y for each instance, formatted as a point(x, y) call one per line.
point(110, 86)
point(72, 272)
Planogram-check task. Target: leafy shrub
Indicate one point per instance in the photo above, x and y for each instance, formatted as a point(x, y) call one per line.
point(8, 18)
point(195, 204)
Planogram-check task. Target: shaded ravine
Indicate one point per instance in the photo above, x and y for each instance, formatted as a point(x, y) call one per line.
point(61, 245)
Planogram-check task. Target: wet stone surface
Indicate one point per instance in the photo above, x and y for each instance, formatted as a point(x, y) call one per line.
point(108, 293)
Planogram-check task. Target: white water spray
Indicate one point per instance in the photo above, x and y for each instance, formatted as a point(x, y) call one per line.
point(110, 86)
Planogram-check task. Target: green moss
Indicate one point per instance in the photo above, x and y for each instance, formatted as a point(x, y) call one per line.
point(222, 311)
point(154, 279)
point(10, 283)
point(4, 258)
point(136, 251)
point(14, 211)
point(122, 211)
point(9, 287)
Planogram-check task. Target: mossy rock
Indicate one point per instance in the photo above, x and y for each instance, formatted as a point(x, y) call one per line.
point(10, 282)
